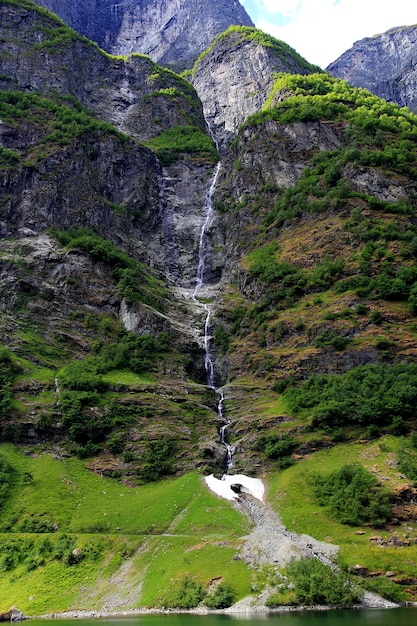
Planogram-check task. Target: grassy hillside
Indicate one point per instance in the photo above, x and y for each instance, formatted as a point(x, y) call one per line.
point(67, 533)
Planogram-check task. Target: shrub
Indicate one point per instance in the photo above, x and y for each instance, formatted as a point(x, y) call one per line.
point(365, 395)
point(276, 447)
point(221, 598)
point(6, 478)
point(158, 458)
point(187, 595)
point(352, 496)
point(315, 583)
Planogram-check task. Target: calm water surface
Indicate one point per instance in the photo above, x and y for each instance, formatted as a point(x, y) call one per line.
point(374, 617)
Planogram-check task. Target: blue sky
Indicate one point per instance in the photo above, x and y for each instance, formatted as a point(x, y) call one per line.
point(321, 30)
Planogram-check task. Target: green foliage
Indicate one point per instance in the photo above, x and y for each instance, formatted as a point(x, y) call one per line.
point(8, 371)
point(352, 496)
point(327, 338)
point(275, 446)
point(365, 395)
point(177, 141)
point(6, 479)
point(386, 588)
point(287, 281)
point(8, 157)
point(317, 584)
point(63, 123)
point(221, 339)
point(407, 457)
point(222, 597)
point(136, 353)
point(135, 282)
point(377, 134)
point(83, 422)
point(158, 458)
point(186, 595)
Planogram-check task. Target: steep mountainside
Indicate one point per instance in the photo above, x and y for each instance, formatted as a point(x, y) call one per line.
point(171, 32)
point(384, 64)
point(236, 74)
point(136, 275)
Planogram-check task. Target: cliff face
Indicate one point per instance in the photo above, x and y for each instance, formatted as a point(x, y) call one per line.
point(171, 32)
point(139, 98)
point(236, 75)
point(384, 64)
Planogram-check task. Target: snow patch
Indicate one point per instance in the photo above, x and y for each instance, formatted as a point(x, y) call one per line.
point(223, 487)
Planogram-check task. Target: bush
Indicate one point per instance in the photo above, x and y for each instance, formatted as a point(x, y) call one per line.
point(352, 496)
point(6, 478)
point(187, 595)
point(221, 598)
point(276, 447)
point(364, 396)
point(158, 458)
point(315, 583)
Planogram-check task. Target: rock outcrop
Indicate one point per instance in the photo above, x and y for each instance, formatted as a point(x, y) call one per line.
point(384, 64)
point(236, 75)
point(171, 32)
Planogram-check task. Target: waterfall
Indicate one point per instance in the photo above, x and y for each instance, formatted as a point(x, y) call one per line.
point(202, 252)
point(208, 358)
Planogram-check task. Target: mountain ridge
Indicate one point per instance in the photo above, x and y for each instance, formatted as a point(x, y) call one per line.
point(173, 33)
point(384, 64)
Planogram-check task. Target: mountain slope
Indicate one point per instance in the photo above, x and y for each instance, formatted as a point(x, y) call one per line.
point(308, 307)
point(172, 33)
point(384, 64)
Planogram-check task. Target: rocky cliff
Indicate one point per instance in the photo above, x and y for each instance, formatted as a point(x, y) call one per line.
point(235, 76)
point(384, 64)
point(139, 98)
point(171, 32)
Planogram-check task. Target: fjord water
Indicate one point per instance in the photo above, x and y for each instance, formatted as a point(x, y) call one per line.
point(372, 617)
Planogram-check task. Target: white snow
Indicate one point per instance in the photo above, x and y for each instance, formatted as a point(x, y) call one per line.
point(222, 487)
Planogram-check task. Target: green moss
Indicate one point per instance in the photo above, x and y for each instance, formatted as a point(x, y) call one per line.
point(170, 145)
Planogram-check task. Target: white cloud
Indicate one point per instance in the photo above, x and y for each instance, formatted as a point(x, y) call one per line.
point(321, 30)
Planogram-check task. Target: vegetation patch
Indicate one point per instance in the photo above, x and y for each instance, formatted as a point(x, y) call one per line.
point(246, 33)
point(177, 141)
point(311, 583)
point(370, 395)
point(135, 282)
point(352, 496)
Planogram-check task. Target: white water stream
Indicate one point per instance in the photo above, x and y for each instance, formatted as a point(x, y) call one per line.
point(228, 487)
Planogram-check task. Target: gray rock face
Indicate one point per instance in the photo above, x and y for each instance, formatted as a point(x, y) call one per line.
point(132, 94)
point(234, 80)
point(384, 64)
point(171, 32)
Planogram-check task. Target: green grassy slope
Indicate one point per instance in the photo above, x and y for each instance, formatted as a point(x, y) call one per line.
point(67, 531)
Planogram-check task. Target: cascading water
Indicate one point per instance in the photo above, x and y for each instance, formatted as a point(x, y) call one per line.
point(222, 487)
point(208, 359)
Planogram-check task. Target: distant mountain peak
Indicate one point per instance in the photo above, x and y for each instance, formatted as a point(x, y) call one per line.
point(385, 64)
